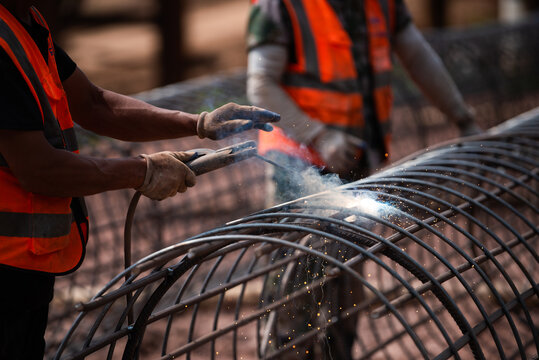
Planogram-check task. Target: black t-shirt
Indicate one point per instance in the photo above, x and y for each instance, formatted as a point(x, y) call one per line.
point(19, 109)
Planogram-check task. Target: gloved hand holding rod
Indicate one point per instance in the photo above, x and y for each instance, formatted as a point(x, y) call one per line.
point(171, 172)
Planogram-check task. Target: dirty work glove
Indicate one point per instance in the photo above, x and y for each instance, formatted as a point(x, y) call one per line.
point(166, 174)
point(340, 151)
point(465, 121)
point(469, 129)
point(233, 118)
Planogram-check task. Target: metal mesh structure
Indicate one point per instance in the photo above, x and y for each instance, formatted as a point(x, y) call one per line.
point(495, 68)
point(439, 253)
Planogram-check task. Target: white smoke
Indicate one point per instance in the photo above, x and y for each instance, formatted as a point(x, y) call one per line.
point(329, 191)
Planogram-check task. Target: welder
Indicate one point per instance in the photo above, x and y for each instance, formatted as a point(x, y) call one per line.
point(325, 66)
point(43, 178)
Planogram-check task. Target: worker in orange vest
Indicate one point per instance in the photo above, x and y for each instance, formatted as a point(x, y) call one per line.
point(325, 66)
point(43, 178)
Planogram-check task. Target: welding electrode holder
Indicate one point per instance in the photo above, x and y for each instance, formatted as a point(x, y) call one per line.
point(202, 161)
point(206, 160)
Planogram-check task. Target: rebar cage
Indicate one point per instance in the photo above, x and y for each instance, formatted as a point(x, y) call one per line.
point(498, 77)
point(434, 257)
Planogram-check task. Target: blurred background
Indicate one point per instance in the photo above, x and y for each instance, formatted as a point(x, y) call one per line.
point(132, 46)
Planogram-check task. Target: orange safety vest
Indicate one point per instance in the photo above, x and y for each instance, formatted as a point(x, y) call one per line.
point(37, 232)
point(323, 81)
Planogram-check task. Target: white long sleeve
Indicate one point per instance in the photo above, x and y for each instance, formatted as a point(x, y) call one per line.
point(265, 67)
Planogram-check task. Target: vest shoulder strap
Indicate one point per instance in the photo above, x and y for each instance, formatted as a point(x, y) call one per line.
point(15, 50)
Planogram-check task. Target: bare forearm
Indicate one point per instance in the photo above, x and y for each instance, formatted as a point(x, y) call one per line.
point(129, 119)
point(68, 174)
point(42, 169)
point(123, 117)
point(429, 73)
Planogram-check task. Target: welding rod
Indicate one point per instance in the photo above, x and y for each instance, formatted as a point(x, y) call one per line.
point(202, 161)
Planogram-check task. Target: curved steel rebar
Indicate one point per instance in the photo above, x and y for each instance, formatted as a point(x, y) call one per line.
point(433, 257)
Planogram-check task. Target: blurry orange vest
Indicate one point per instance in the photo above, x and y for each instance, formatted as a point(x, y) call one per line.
point(37, 232)
point(323, 81)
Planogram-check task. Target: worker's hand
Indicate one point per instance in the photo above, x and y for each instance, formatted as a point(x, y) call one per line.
point(340, 151)
point(467, 125)
point(166, 174)
point(469, 129)
point(233, 118)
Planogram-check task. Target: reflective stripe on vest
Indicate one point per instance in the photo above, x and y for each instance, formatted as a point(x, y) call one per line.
point(378, 26)
point(39, 232)
point(323, 81)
